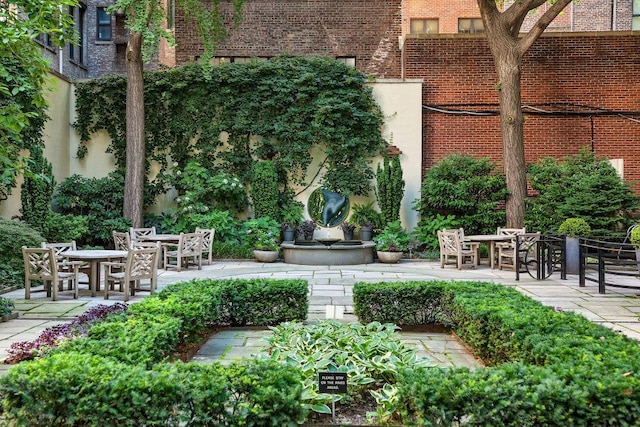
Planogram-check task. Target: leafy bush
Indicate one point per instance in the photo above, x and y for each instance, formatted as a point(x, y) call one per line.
point(392, 238)
point(583, 186)
point(83, 381)
point(37, 189)
point(264, 190)
point(6, 307)
point(100, 200)
point(390, 188)
point(226, 226)
point(426, 232)
point(574, 227)
point(13, 236)
point(261, 233)
point(202, 190)
point(548, 368)
point(366, 214)
point(470, 189)
point(64, 228)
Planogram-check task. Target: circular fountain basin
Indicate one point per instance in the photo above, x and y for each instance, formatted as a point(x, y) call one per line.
point(343, 252)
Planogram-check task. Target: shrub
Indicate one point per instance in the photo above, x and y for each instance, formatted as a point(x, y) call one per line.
point(226, 226)
point(14, 235)
point(264, 190)
point(574, 227)
point(426, 232)
point(116, 375)
point(37, 189)
point(366, 214)
point(392, 238)
point(65, 228)
point(390, 186)
point(100, 200)
point(547, 368)
point(470, 189)
point(261, 233)
point(583, 186)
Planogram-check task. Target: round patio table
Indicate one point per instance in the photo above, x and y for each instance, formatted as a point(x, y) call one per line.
point(94, 257)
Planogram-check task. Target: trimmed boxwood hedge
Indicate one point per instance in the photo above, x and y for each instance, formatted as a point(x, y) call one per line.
point(119, 373)
point(547, 368)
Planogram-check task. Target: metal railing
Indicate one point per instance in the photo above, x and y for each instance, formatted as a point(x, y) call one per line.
point(541, 257)
point(601, 259)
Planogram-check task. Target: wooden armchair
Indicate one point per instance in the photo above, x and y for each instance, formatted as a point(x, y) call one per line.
point(126, 277)
point(136, 233)
point(121, 241)
point(506, 249)
point(507, 255)
point(65, 266)
point(41, 264)
point(207, 241)
point(188, 247)
point(452, 245)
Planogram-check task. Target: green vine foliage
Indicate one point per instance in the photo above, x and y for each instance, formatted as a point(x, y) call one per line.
point(264, 189)
point(390, 188)
point(233, 115)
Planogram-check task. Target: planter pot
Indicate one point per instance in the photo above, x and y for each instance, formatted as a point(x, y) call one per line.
point(572, 255)
point(366, 233)
point(389, 257)
point(265, 256)
point(289, 234)
point(348, 235)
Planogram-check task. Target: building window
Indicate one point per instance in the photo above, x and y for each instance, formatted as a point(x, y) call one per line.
point(470, 25)
point(349, 61)
point(635, 23)
point(424, 26)
point(104, 24)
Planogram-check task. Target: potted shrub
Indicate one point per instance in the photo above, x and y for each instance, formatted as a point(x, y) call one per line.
point(391, 242)
point(291, 219)
point(347, 229)
point(635, 241)
point(367, 217)
point(306, 229)
point(573, 229)
point(262, 234)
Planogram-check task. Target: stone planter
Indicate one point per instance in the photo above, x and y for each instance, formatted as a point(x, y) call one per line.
point(389, 257)
point(265, 256)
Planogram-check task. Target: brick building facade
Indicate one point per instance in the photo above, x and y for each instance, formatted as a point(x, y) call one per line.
point(579, 90)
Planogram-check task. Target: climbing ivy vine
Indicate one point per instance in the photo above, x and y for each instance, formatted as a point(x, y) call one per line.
point(233, 115)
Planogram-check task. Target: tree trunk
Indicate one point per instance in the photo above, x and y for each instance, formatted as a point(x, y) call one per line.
point(135, 152)
point(508, 61)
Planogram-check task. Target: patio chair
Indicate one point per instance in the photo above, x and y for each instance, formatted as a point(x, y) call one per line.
point(207, 242)
point(121, 241)
point(188, 247)
point(452, 245)
point(136, 233)
point(125, 277)
point(63, 264)
point(41, 264)
point(510, 244)
point(507, 253)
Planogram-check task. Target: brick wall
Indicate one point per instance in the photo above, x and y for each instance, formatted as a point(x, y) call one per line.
point(585, 71)
point(365, 29)
point(446, 11)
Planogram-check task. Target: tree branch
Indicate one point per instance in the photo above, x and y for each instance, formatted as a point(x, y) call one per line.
point(515, 14)
point(542, 24)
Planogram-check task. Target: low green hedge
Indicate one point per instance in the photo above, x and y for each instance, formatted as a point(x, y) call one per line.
point(118, 373)
point(548, 368)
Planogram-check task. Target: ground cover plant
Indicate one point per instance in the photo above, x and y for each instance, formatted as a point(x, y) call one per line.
point(547, 368)
point(372, 356)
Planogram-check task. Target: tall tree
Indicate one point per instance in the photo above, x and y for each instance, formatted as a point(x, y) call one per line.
point(23, 72)
point(146, 21)
point(508, 47)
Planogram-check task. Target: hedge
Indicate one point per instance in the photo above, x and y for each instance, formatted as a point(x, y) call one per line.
point(120, 372)
point(547, 368)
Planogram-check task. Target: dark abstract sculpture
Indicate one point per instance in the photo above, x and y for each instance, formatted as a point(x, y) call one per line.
point(333, 204)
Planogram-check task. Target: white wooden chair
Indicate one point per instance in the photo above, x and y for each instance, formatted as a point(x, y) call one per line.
point(126, 278)
point(207, 242)
point(63, 264)
point(506, 249)
point(41, 264)
point(136, 233)
point(452, 245)
point(189, 247)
